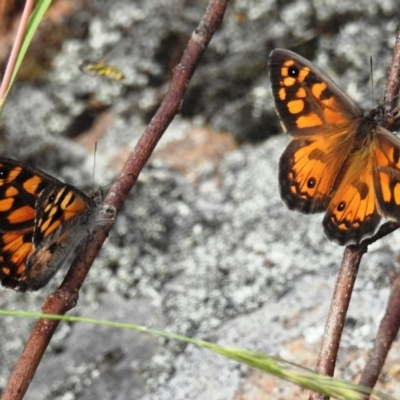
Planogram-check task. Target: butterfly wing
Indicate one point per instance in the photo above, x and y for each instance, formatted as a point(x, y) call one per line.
point(353, 213)
point(63, 217)
point(57, 204)
point(308, 169)
point(387, 173)
point(369, 189)
point(322, 121)
point(20, 187)
point(15, 248)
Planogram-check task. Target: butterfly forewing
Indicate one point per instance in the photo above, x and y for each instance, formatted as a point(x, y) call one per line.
point(306, 98)
point(20, 187)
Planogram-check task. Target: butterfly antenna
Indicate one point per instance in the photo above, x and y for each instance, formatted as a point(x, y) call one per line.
point(372, 79)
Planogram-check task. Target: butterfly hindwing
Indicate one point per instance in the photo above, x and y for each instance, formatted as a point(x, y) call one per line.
point(387, 173)
point(308, 170)
point(15, 248)
point(353, 212)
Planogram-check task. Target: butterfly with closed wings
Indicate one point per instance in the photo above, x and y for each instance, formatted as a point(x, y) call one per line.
point(42, 220)
point(339, 161)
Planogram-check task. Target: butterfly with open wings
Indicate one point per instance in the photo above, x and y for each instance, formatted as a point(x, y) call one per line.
point(339, 161)
point(42, 220)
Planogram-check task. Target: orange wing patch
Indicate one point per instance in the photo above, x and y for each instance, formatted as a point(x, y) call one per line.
point(15, 250)
point(22, 214)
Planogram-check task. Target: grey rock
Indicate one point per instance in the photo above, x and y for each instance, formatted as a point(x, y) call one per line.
point(225, 261)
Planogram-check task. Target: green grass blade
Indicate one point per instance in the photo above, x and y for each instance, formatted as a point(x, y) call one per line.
point(276, 366)
point(34, 21)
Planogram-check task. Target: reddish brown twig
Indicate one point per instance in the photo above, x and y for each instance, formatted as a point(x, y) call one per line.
point(65, 298)
point(337, 312)
point(348, 271)
point(387, 332)
point(390, 98)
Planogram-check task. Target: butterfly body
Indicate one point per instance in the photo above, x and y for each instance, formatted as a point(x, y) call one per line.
point(42, 220)
point(339, 160)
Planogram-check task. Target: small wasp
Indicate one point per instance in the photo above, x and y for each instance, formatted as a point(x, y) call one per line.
point(100, 68)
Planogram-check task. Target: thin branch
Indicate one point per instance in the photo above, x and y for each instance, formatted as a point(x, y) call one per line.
point(390, 98)
point(65, 298)
point(387, 332)
point(337, 313)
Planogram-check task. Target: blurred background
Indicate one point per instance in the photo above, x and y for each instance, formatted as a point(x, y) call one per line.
point(204, 246)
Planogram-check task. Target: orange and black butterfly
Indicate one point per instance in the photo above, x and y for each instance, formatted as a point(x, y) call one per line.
point(41, 221)
point(339, 161)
